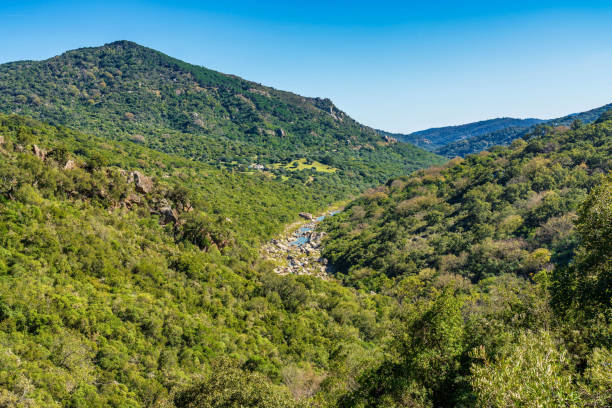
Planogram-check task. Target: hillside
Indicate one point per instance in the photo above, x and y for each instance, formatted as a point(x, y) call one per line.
point(501, 267)
point(129, 275)
point(124, 91)
point(436, 138)
point(456, 218)
point(504, 137)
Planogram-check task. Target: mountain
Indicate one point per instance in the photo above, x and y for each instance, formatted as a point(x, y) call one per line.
point(435, 138)
point(454, 218)
point(124, 91)
point(501, 265)
point(505, 136)
point(142, 204)
point(135, 193)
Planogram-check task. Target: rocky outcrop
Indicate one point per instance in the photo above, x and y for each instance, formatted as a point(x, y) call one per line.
point(143, 184)
point(70, 165)
point(280, 132)
point(1, 140)
point(306, 216)
point(38, 152)
point(168, 215)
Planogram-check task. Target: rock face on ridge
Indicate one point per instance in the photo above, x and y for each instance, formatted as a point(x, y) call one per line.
point(143, 183)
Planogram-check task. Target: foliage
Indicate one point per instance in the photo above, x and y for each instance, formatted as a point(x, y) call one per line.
point(508, 210)
point(104, 303)
point(123, 91)
point(531, 372)
point(437, 138)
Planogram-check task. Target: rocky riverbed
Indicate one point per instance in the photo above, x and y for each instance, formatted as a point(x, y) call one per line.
point(298, 251)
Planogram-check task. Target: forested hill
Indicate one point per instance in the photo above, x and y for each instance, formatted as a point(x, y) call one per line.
point(505, 136)
point(126, 91)
point(479, 216)
point(501, 266)
point(435, 138)
point(130, 278)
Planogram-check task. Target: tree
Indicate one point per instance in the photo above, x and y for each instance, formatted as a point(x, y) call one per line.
point(228, 386)
point(586, 285)
point(531, 372)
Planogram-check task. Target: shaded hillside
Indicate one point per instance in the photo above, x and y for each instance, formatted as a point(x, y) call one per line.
point(505, 136)
point(124, 91)
point(435, 138)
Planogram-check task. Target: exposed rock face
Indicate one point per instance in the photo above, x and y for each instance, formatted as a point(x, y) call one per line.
point(38, 152)
point(280, 132)
point(70, 164)
point(307, 216)
point(168, 215)
point(1, 140)
point(132, 200)
point(143, 183)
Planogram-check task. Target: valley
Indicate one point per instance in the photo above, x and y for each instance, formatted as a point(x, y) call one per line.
point(176, 237)
point(298, 250)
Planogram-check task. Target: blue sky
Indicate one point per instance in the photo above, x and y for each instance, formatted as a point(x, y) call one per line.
point(399, 66)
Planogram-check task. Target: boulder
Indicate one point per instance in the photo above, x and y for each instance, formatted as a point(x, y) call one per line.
point(143, 183)
point(1, 140)
point(38, 152)
point(280, 132)
point(168, 215)
point(70, 164)
point(305, 215)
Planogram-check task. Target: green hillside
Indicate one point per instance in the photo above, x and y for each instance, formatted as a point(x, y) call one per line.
point(479, 216)
point(121, 291)
point(124, 91)
point(501, 266)
point(505, 136)
point(137, 191)
point(437, 138)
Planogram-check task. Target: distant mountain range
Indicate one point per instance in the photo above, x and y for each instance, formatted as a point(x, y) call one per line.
point(435, 138)
point(452, 141)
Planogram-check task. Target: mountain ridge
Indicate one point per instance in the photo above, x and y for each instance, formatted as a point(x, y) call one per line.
point(125, 91)
point(460, 140)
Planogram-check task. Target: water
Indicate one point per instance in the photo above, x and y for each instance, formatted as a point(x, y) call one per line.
point(300, 241)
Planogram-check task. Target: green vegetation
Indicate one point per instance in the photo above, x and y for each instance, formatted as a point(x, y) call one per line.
point(459, 141)
point(124, 91)
point(303, 164)
point(130, 273)
point(104, 302)
point(437, 138)
point(500, 264)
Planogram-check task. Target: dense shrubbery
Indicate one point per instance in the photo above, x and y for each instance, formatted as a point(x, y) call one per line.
point(103, 305)
point(129, 92)
point(508, 210)
point(502, 302)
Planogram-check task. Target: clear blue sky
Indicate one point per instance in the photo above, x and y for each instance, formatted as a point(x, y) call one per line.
point(394, 65)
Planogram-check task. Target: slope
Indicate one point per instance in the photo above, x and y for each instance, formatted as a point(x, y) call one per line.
point(500, 265)
point(124, 91)
point(125, 274)
point(435, 138)
point(507, 210)
point(503, 137)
